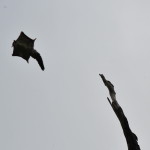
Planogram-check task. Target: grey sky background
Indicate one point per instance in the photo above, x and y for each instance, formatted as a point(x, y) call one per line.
point(65, 107)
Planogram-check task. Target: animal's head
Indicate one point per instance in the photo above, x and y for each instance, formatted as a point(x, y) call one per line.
point(14, 43)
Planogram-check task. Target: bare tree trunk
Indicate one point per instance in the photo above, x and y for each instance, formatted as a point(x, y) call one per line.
point(131, 138)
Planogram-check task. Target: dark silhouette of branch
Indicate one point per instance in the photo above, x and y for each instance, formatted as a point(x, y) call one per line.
point(131, 138)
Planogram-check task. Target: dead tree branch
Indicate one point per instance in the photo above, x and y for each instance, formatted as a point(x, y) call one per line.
point(131, 138)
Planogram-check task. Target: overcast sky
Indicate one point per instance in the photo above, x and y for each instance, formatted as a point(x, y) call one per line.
point(65, 107)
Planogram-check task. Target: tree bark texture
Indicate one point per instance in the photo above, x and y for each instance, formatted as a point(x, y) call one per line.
point(131, 138)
